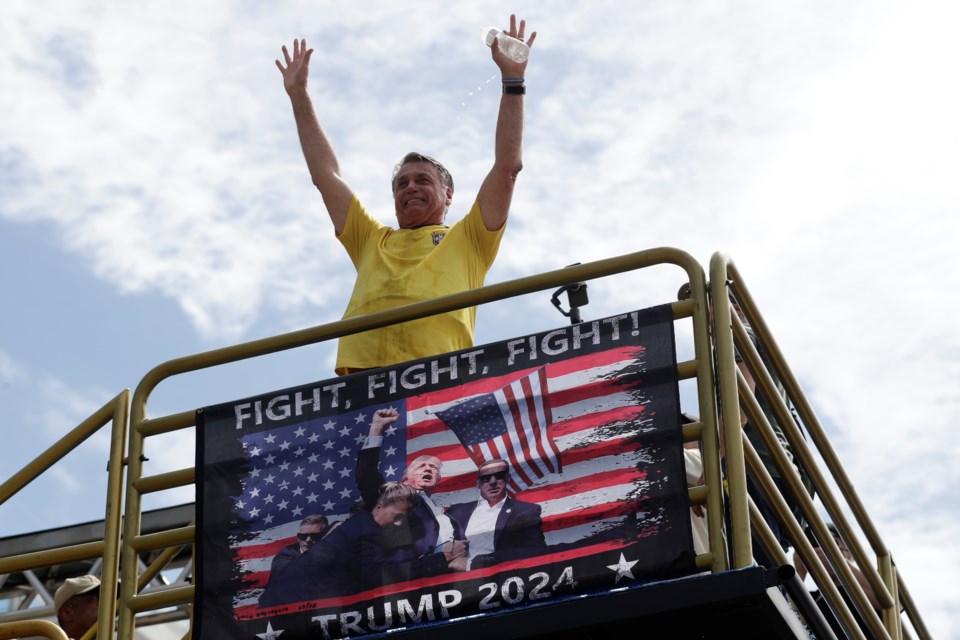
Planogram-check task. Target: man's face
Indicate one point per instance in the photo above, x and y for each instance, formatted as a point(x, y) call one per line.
point(392, 515)
point(492, 480)
point(424, 475)
point(80, 612)
point(310, 535)
point(419, 195)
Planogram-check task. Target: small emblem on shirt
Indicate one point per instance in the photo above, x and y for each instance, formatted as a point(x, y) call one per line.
point(438, 236)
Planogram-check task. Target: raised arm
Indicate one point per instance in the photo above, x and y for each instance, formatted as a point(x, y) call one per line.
point(369, 478)
point(317, 150)
point(496, 191)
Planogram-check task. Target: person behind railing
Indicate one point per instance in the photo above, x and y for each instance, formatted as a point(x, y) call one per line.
point(764, 453)
point(693, 465)
point(77, 605)
point(422, 259)
point(498, 527)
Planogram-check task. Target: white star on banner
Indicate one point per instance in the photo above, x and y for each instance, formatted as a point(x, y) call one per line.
point(623, 569)
point(288, 476)
point(270, 634)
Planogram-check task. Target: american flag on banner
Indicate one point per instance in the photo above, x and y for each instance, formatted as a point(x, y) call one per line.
point(300, 470)
point(509, 424)
point(306, 469)
point(591, 457)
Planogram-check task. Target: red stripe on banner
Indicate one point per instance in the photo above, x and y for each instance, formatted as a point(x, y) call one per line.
point(589, 361)
point(454, 394)
point(494, 452)
point(533, 401)
point(580, 485)
point(554, 460)
point(255, 580)
point(445, 453)
point(598, 419)
point(517, 472)
point(589, 514)
point(460, 482)
point(252, 611)
point(428, 427)
point(250, 552)
point(475, 454)
point(518, 422)
point(510, 443)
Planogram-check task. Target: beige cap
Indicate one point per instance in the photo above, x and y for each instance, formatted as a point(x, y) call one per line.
point(74, 587)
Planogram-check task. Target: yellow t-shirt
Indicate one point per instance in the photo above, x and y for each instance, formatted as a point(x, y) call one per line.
point(398, 267)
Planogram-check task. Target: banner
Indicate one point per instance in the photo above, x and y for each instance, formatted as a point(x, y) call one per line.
point(509, 475)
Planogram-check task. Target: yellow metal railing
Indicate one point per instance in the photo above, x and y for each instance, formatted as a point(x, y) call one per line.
point(31, 628)
point(719, 340)
point(108, 549)
point(886, 584)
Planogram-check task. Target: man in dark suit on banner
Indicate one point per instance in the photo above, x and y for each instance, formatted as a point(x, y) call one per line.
point(432, 532)
point(498, 526)
point(312, 530)
point(359, 554)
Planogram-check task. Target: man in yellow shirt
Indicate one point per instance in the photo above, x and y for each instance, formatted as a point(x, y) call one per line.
point(422, 259)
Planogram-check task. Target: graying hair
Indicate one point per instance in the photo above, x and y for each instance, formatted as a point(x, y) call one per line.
point(414, 156)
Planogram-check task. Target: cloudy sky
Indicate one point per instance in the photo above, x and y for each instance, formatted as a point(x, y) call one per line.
point(154, 204)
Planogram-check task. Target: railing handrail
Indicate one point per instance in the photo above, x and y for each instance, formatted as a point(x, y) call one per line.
point(734, 392)
point(415, 311)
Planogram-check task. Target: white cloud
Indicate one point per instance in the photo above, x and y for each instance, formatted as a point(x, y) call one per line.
point(55, 408)
point(814, 142)
point(10, 371)
point(66, 481)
